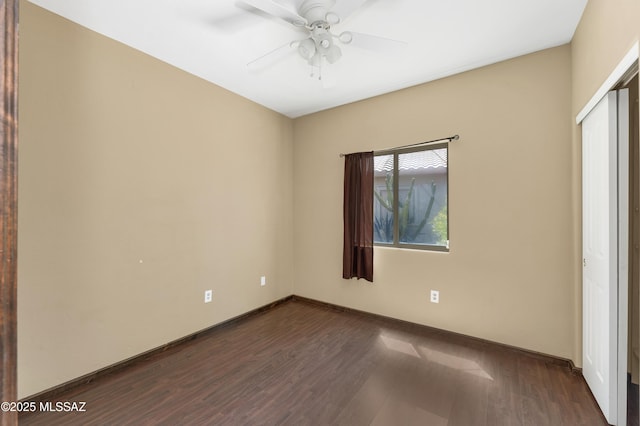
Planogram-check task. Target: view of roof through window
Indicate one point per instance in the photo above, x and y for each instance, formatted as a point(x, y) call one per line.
point(428, 159)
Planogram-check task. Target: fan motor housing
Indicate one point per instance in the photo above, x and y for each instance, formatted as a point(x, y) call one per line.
point(315, 10)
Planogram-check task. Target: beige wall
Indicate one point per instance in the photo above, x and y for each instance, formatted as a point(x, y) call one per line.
point(508, 276)
point(124, 158)
point(607, 30)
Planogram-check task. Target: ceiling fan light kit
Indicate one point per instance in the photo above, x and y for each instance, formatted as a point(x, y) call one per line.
point(317, 16)
point(323, 43)
point(307, 49)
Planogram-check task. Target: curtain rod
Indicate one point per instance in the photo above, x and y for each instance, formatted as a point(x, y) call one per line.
point(449, 139)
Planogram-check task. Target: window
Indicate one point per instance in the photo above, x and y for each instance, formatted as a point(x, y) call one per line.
point(410, 198)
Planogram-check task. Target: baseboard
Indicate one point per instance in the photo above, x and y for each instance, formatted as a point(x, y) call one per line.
point(51, 393)
point(552, 359)
point(75, 384)
point(574, 369)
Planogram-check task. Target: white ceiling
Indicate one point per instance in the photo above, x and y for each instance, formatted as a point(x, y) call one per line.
point(215, 39)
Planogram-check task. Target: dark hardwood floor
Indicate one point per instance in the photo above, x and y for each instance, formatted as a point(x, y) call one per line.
point(300, 364)
point(633, 416)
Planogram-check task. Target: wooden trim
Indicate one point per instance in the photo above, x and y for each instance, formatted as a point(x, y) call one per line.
point(80, 382)
point(574, 369)
point(8, 205)
point(552, 359)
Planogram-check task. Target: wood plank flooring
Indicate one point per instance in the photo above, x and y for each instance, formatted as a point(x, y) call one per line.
point(633, 415)
point(303, 364)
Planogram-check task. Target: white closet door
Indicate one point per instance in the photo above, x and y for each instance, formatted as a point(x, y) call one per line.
point(600, 253)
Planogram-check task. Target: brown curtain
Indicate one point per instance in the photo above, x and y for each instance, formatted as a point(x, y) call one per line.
point(358, 216)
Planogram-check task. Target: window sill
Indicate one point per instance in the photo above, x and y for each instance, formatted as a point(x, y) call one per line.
point(413, 247)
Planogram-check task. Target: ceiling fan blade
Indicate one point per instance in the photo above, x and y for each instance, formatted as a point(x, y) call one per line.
point(271, 57)
point(277, 10)
point(344, 8)
point(371, 42)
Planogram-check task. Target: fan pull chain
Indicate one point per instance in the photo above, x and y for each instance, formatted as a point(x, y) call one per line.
point(313, 74)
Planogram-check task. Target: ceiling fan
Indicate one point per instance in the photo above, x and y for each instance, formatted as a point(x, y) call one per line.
point(317, 17)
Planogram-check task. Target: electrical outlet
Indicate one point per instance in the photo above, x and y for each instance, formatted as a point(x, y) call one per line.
point(435, 296)
point(208, 295)
point(263, 280)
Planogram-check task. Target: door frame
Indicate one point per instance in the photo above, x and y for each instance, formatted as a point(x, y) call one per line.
point(623, 254)
point(628, 64)
point(8, 205)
